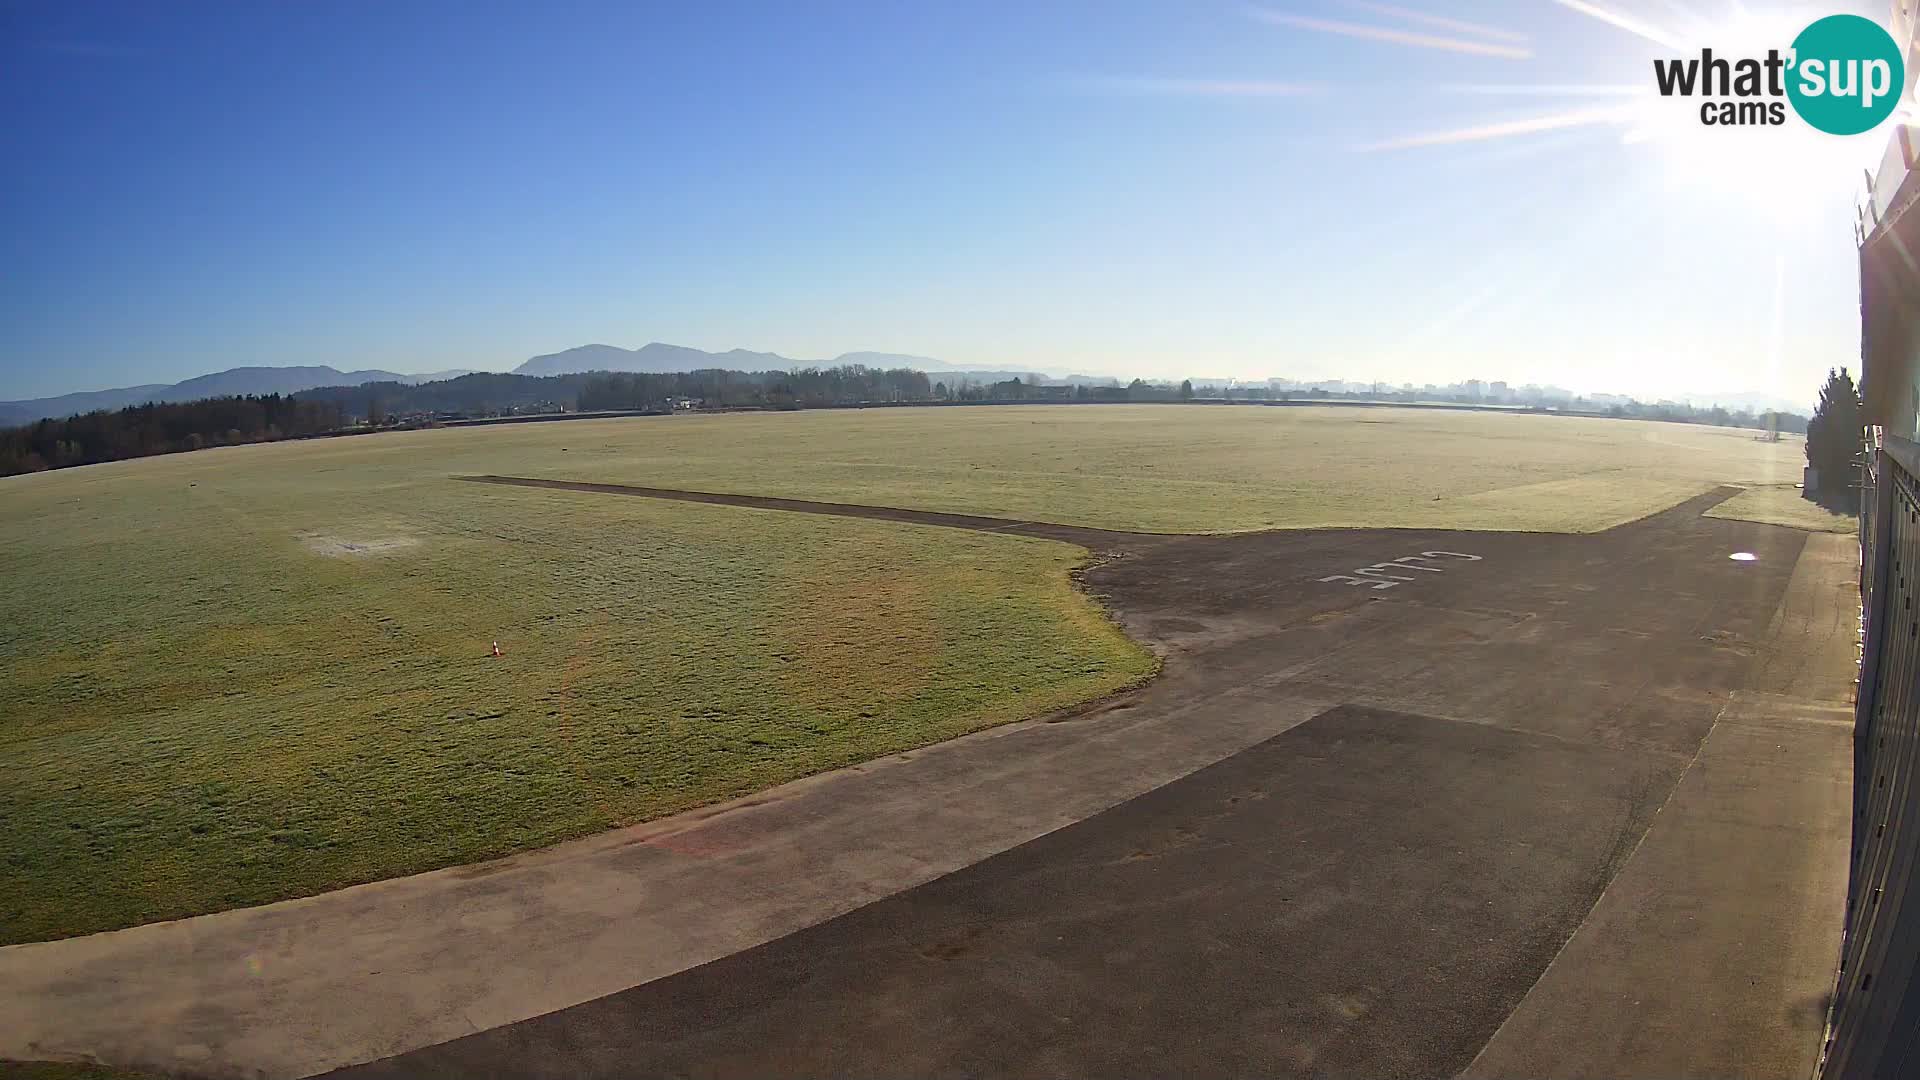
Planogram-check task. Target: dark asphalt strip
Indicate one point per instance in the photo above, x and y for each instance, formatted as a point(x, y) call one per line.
point(1368, 894)
point(1097, 539)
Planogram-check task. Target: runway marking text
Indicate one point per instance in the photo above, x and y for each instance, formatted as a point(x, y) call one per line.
point(1385, 575)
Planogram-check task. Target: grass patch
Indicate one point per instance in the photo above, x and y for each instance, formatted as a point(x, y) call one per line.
point(240, 676)
point(1785, 505)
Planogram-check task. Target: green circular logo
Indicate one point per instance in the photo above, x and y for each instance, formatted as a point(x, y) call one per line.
point(1847, 74)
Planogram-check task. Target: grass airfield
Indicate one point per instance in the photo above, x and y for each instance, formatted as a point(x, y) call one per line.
point(253, 673)
point(1160, 468)
point(236, 677)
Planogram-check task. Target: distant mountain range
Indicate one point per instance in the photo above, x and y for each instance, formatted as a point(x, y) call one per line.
point(661, 357)
point(656, 357)
point(234, 381)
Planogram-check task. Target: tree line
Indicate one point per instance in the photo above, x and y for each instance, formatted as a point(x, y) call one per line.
point(486, 394)
point(1033, 388)
point(163, 428)
point(1713, 415)
point(480, 394)
point(145, 430)
point(848, 384)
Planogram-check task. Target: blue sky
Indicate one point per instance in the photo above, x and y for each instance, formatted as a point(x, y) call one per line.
point(1146, 187)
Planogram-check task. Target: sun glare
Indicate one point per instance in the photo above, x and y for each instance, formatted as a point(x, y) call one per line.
point(1782, 171)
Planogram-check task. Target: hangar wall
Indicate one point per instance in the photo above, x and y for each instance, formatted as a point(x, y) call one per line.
point(1874, 1021)
point(1888, 232)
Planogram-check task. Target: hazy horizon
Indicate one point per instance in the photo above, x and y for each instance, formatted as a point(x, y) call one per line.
point(941, 366)
point(1332, 189)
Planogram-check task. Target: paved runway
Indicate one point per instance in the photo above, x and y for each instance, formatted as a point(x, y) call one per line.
point(1368, 894)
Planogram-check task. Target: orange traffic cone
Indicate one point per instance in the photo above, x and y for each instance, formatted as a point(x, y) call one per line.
point(496, 649)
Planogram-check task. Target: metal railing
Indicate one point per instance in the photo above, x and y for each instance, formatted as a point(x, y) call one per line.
point(1874, 1027)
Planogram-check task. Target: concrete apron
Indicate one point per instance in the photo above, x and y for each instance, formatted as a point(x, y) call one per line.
point(1713, 952)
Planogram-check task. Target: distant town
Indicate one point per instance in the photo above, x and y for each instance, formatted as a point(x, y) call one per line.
point(1472, 392)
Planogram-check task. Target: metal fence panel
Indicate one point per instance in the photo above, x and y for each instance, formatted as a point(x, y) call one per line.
point(1876, 1013)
